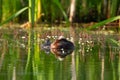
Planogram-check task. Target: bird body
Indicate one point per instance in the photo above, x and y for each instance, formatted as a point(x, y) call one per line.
point(61, 47)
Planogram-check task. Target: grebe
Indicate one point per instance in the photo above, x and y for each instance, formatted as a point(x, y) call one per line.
point(61, 47)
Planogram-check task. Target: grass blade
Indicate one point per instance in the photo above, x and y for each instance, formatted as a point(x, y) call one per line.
point(104, 22)
point(14, 15)
point(63, 12)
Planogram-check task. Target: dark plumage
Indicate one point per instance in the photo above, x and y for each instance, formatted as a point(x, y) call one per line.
point(60, 47)
point(46, 46)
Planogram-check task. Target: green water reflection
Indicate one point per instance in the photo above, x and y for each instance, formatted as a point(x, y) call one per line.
point(100, 63)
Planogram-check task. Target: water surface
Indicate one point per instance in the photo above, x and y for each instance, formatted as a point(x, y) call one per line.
point(94, 58)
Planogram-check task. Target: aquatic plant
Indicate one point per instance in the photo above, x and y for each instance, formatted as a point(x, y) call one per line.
point(14, 15)
point(101, 23)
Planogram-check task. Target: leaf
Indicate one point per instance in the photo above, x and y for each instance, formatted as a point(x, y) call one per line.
point(14, 15)
point(104, 22)
point(62, 10)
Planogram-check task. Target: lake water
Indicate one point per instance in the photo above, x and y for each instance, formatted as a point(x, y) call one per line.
point(96, 56)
